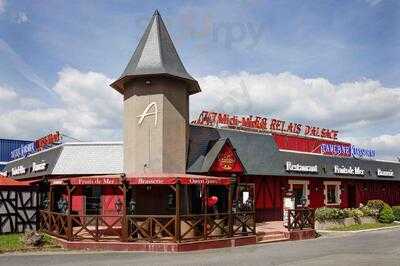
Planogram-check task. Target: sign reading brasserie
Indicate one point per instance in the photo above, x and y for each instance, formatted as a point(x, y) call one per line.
point(36, 146)
point(342, 170)
point(384, 173)
point(301, 168)
point(263, 124)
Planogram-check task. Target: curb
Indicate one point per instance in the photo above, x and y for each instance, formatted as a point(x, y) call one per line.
point(358, 231)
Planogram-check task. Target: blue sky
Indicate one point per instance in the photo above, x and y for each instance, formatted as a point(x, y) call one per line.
point(342, 42)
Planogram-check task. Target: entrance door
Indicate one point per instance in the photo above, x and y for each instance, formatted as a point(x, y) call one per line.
point(298, 190)
point(92, 200)
point(351, 196)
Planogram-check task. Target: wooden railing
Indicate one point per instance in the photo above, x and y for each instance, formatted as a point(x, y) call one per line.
point(299, 219)
point(147, 228)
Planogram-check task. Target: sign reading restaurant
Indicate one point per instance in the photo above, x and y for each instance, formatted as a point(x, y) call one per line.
point(263, 124)
point(301, 168)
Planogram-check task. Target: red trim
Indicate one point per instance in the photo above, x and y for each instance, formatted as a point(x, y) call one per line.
point(162, 179)
point(185, 180)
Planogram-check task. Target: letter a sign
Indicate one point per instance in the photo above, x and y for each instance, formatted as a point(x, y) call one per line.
point(147, 113)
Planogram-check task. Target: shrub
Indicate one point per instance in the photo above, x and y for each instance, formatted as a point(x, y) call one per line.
point(386, 215)
point(377, 204)
point(367, 211)
point(396, 213)
point(353, 213)
point(327, 214)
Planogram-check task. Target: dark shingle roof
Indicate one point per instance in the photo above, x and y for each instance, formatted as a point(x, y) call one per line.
point(260, 156)
point(156, 55)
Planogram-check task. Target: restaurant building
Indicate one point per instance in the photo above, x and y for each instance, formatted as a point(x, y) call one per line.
point(175, 171)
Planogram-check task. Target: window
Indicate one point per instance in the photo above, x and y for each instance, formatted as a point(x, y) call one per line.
point(301, 191)
point(331, 191)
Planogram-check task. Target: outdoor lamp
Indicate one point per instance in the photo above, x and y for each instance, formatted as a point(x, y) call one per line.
point(303, 201)
point(118, 205)
point(132, 206)
point(170, 201)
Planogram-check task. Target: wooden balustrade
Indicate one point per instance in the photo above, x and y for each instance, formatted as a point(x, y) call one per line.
point(147, 228)
point(299, 219)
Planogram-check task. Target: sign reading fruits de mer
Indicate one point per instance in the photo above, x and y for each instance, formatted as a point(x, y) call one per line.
point(263, 124)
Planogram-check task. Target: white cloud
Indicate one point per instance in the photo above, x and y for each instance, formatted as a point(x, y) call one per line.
point(91, 110)
point(22, 17)
point(2, 6)
point(292, 97)
point(388, 146)
point(7, 94)
point(373, 2)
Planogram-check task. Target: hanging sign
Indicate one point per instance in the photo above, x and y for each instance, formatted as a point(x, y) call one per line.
point(263, 124)
point(384, 173)
point(301, 168)
point(342, 170)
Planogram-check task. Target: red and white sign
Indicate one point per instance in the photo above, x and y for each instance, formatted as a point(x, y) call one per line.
point(185, 180)
point(50, 139)
point(263, 124)
point(96, 181)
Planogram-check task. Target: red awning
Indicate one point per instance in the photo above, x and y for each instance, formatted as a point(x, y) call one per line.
point(9, 182)
point(185, 179)
point(96, 180)
point(159, 179)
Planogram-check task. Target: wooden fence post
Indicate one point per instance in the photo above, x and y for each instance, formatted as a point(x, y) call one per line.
point(178, 212)
point(124, 221)
point(230, 215)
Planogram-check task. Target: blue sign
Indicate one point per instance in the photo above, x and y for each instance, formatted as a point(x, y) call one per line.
point(362, 153)
point(23, 151)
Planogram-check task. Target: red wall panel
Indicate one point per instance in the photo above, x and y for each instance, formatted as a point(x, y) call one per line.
point(302, 144)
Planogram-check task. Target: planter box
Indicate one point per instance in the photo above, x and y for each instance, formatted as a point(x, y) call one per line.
point(326, 225)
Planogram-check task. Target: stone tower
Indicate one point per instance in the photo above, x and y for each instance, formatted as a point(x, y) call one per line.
point(156, 89)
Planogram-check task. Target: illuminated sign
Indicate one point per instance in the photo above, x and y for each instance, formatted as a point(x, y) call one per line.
point(48, 140)
point(362, 153)
point(336, 149)
point(301, 168)
point(36, 146)
point(341, 170)
point(384, 173)
point(19, 170)
point(262, 124)
point(23, 151)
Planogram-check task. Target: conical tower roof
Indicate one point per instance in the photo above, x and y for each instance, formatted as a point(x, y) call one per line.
point(156, 55)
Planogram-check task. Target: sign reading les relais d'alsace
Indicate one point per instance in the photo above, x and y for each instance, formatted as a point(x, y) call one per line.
point(263, 124)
